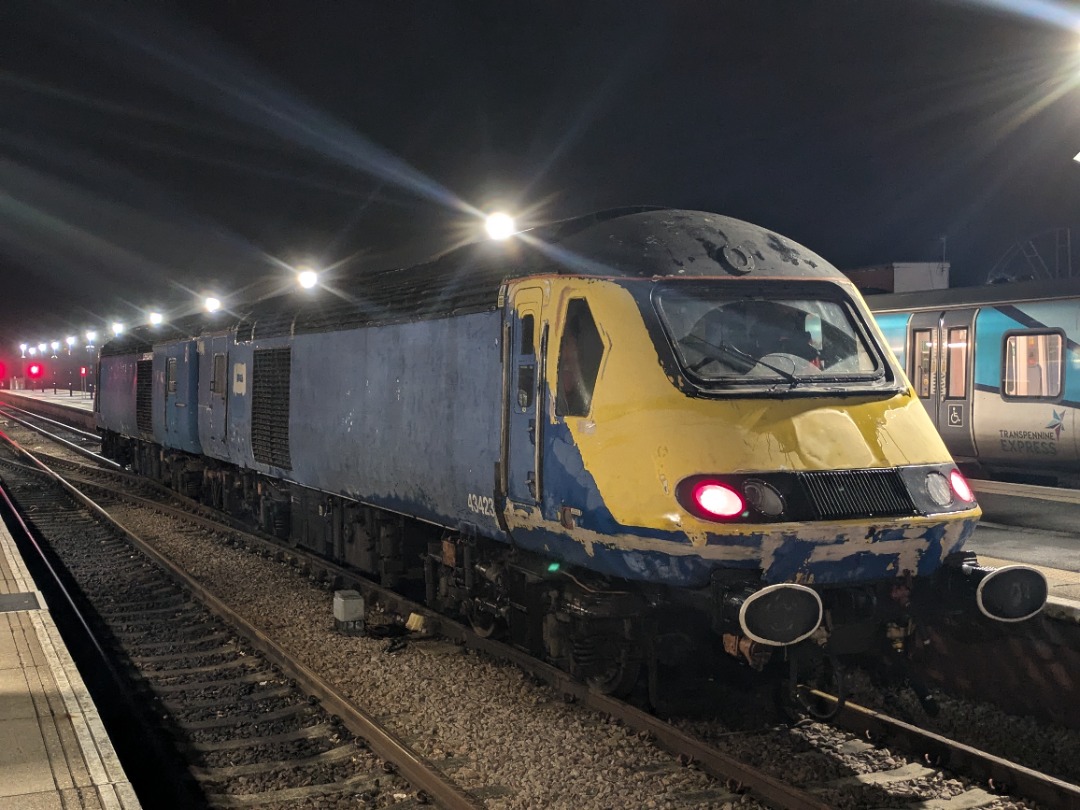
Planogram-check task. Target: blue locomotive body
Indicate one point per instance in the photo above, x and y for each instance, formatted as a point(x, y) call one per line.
point(617, 429)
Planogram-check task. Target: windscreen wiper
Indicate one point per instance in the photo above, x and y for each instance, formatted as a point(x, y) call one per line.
point(728, 352)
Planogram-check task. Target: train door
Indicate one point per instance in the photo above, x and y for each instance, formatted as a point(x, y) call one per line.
point(216, 396)
point(941, 370)
point(525, 338)
point(181, 387)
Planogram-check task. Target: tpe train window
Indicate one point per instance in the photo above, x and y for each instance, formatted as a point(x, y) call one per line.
point(580, 351)
point(922, 367)
point(956, 363)
point(1032, 365)
point(736, 338)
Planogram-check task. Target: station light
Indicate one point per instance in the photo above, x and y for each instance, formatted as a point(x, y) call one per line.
point(307, 278)
point(91, 336)
point(32, 351)
point(70, 341)
point(55, 345)
point(500, 226)
point(156, 318)
point(22, 349)
point(43, 347)
point(212, 304)
point(117, 328)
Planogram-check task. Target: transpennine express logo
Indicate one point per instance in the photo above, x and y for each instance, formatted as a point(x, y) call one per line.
point(1057, 423)
point(1035, 442)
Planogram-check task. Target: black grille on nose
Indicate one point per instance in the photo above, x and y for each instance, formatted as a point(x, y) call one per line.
point(840, 494)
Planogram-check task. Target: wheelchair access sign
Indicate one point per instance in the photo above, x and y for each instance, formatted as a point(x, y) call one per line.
point(955, 415)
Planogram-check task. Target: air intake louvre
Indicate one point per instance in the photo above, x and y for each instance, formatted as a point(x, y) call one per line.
point(270, 407)
point(858, 493)
point(144, 395)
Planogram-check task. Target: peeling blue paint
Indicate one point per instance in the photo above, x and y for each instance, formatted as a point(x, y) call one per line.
point(862, 566)
point(663, 569)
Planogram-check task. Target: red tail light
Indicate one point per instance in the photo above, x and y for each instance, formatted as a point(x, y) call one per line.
point(960, 486)
point(717, 500)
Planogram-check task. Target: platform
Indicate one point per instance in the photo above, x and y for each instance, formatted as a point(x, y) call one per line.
point(54, 751)
point(80, 400)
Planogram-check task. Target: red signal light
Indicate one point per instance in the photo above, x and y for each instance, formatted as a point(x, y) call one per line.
point(82, 371)
point(34, 370)
point(960, 486)
point(717, 500)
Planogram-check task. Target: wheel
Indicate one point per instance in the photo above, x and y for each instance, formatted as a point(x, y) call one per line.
point(618, 680)
point(484, 624)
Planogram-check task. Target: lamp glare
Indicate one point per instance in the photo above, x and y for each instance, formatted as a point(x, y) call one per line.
point(500, 226)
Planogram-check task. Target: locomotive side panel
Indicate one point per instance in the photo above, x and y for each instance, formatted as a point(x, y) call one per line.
point(116, 394)
point(402, 416)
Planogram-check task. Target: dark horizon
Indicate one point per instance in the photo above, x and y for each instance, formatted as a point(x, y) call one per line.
point(154, 154)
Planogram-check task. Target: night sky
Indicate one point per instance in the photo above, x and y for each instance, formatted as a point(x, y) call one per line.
point(153, 152)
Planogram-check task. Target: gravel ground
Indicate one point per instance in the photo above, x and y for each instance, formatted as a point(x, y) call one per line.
point(517, 745)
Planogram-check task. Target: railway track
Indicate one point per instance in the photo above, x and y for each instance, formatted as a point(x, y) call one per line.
point(256, 729)
point(713, 775)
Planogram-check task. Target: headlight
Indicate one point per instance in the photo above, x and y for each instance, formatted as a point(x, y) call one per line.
point(937, 487)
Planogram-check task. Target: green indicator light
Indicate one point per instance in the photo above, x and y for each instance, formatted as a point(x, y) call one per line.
point(553, 567)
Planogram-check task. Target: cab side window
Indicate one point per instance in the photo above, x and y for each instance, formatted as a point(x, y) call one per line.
point(527, 368)
point(217, 383)
point(170, 375)
point(580, 352)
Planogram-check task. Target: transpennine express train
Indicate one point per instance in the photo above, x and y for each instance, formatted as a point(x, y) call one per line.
point(639, 436)
point(998, 369)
